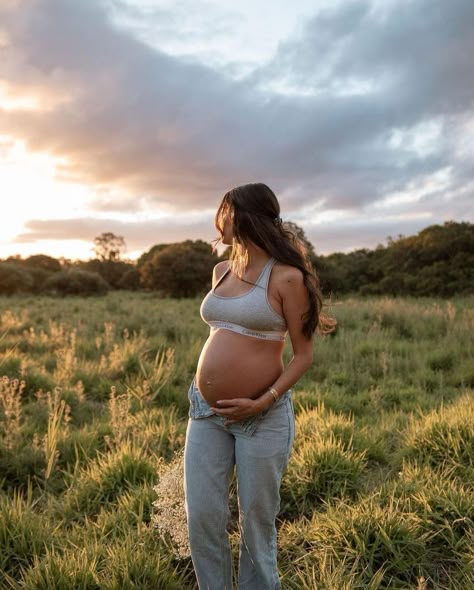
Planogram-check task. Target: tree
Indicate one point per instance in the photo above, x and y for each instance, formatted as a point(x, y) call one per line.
point(108, 246)
point(39, 267)
point(14, 278)
point(111, 271)
point(147, 256)
point(75, 282)
point(180, 270)
point(44, 262)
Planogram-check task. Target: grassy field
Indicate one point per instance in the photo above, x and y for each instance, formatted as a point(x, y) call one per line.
point(379, 492)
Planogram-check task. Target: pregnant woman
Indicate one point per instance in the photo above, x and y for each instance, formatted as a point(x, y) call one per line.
point(241, 412)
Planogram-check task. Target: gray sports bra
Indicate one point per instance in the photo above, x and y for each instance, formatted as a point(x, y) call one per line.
point(249, 314)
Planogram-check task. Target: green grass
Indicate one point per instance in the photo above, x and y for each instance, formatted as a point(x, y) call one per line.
point(379, 491)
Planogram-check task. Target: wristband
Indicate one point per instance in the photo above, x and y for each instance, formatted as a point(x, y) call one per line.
point(274, 392)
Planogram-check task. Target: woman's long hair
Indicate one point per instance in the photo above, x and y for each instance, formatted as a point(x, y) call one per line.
point(255, 213)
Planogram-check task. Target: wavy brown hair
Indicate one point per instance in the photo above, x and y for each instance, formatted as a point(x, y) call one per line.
point(255, 213)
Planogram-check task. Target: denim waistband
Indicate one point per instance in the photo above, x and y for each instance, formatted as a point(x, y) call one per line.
point(199, 408)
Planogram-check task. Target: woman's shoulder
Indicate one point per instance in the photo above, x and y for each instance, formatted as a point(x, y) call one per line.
point(221, 266)
point(287, 273)
point(219, 269)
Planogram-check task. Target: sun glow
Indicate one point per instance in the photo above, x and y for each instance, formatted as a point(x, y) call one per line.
point(29, 190)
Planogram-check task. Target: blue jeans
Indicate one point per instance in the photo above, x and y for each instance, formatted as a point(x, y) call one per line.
point(259, 448)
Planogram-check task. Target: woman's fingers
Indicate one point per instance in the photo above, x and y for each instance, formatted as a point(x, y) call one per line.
point(223, 411)
point(227, 407)
point(230, 402)
point(236, 409)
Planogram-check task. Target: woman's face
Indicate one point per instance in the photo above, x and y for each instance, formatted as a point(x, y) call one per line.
point(226, 222)
point(227, 231)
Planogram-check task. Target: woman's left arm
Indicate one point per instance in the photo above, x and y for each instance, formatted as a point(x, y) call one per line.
point(295, 301)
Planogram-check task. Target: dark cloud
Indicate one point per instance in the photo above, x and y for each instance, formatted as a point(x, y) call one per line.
point(131, 116)
point(414, 54)
point(177, 134)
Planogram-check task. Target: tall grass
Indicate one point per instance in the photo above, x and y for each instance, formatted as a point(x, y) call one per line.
point(10, 404)
point(379, 489)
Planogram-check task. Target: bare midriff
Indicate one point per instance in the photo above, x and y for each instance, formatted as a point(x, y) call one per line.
point(233, 365)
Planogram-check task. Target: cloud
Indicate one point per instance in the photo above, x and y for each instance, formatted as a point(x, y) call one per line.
point(318, 122)
point(187, 25)
point(138, 235)
point(175, 131)
point(413, 54)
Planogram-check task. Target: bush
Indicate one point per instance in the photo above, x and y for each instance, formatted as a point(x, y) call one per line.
point(76, 282)
point(323, 464)
point(443, 438)
point(39, 277)
point(377, 547)
point(112, 271)
point(14, 279)
point(130, 280)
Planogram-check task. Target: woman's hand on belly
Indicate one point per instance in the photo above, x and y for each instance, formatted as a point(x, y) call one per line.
point(237, 409)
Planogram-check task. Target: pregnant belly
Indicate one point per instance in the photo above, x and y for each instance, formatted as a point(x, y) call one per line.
point(233, 365)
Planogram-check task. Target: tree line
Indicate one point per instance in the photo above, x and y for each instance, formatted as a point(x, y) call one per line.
point(438, 261)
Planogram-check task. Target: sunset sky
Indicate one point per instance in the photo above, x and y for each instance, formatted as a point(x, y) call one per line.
point(136, 116)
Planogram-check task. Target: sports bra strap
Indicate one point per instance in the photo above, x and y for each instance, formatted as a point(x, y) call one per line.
point(262, 279)
point(221, 277)
point(265, 274)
